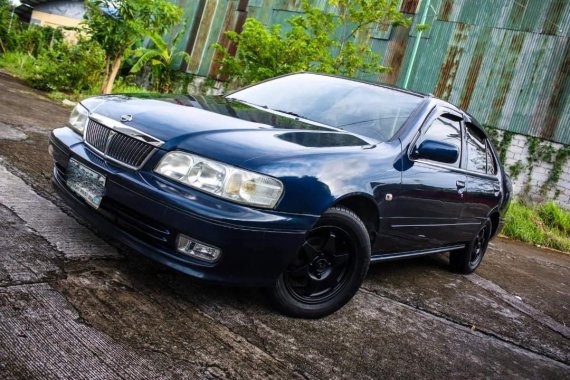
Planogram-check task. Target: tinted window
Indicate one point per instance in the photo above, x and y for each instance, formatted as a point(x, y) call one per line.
point(479, 156)
point(444, 130)
point(491, 166)
point(369, 110)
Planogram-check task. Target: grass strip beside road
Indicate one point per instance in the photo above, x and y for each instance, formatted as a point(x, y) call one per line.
point(545, 225)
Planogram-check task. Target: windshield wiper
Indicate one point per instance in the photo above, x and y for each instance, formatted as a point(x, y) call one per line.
point(289, 113)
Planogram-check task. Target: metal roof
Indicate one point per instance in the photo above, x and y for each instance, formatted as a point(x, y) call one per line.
point(24, 11)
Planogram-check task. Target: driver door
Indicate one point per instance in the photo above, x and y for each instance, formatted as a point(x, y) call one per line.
point(427, 208)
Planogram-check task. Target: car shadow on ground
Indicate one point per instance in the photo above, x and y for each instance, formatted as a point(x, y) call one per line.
point(142, 275)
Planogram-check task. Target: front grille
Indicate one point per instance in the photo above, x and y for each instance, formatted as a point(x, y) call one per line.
point(97, 135)
point(117, 146)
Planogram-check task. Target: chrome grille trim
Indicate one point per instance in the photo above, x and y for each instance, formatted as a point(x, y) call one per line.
point(119, 143)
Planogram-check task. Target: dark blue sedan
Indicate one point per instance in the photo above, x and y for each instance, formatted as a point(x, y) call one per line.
point(296, 184)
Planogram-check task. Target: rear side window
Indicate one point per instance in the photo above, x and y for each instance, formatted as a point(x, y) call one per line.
point(444, 130)
point(479, 156)
point(491, 165)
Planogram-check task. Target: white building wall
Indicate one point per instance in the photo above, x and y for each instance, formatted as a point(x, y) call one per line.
point(518, 152)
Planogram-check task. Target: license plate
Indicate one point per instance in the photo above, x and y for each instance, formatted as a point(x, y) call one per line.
point(86, 183)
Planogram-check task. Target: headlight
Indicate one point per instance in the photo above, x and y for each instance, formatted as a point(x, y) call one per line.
point(220, 179)
point(78, 119)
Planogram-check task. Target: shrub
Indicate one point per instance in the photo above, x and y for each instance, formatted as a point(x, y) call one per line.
point(164, 60)
point(118, 24)
point(36, 40)
point(68, 68)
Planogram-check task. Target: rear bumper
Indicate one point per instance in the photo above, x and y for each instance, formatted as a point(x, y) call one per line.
point(147, 213)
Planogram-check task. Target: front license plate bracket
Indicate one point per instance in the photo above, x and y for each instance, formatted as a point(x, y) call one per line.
point(86, 183)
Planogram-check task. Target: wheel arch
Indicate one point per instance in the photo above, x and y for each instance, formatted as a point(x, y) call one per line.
point(495, 218)
point(366, 208)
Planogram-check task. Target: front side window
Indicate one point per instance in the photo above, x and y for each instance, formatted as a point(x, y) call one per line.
point(446, 131)
point(479, 155)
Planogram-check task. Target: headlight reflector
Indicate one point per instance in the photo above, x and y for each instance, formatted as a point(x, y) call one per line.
point(175, 165)
point(78, 119)
point(219, 179)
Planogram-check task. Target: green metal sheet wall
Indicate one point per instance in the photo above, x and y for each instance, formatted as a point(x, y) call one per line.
point(505, 61)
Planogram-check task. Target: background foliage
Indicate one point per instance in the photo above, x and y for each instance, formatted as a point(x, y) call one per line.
point(118, 24)
point(326, 41)
point(164, 59)
point(108, 37)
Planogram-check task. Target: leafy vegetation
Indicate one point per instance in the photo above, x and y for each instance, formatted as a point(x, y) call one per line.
point(118, 24)
point(43, 57)
point(163, 58)
point(319, 40)
point(71, 68)
point(546, 225)
point(19, 64)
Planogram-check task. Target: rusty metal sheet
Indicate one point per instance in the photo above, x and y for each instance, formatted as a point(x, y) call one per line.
point(540, 16)
point(215, 32)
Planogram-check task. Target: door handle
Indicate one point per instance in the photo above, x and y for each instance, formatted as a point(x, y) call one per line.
point(460, 187)
point(497, 189)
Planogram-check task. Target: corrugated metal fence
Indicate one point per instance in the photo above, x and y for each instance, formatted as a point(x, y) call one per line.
point(506, 61)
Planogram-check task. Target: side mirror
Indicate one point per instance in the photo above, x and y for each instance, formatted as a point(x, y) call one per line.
point(436, 151)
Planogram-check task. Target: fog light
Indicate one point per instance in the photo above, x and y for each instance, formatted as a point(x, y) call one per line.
point(197, 249)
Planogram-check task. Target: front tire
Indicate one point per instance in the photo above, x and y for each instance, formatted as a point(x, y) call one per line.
point(468, 259)
point(328, 269)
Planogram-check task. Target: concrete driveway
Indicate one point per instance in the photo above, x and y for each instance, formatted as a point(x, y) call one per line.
point(74, 305)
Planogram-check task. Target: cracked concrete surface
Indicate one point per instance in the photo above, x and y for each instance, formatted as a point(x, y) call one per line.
point(74, 305)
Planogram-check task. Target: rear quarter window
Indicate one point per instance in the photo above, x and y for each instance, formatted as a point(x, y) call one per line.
point(479, 155)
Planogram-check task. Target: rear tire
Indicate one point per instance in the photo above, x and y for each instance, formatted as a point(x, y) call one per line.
point(328, 269)
point(467, 260)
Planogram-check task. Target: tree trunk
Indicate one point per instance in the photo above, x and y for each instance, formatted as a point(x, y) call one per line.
point(105, 76)
point(113, 75)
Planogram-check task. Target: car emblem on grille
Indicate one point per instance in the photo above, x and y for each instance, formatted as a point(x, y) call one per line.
point(126, 118)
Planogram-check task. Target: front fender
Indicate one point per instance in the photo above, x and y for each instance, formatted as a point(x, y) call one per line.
point(314, 182)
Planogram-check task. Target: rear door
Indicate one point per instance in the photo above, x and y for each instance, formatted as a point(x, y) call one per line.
point(427, 208)
point(482, 192)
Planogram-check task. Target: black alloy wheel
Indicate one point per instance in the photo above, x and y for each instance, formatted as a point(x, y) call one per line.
point(323, 265)
point(328, 268)
point(479, 246)
point(468, 259)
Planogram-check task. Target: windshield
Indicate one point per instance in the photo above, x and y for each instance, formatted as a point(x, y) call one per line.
point(368, 110)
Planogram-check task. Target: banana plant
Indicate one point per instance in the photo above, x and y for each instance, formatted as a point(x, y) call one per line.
point(164, 59)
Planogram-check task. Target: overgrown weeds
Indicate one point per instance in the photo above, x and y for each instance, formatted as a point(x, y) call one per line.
point(546, 225)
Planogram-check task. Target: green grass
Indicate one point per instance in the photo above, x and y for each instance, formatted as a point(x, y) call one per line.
point(19, 64)
point(547, 225)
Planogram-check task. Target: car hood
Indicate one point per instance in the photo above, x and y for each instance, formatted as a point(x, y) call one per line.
point(220, 128)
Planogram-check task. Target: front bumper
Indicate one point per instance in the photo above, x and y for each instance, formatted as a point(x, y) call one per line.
point(147, 212)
